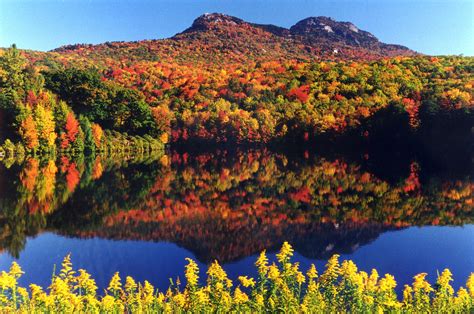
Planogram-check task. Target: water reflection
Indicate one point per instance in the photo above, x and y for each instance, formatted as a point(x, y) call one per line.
point(224, 205)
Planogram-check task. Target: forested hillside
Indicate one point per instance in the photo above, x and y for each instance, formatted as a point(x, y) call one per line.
point(224, 80)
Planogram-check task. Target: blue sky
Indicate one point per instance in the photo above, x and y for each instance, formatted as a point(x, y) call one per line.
point(432, 27)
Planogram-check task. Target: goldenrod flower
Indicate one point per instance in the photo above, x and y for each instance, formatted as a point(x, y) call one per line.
point(202, 297)
point(285, 253)
point(130, 284)
point(59, 287)
point(160, 298)
point(86, 283)
point(408, 294)
point(240, 297)
point(262, 263)
point(146, 292)
point(192, 273)
point(217, 273)
point(470, 285)
point(35, 290)
point(67, 272)
point(7, 281)
point(443, 282)
point(463, 302)
point(15, 270)
point(180, 299)
point(300, 278)
point(387, 283)
point(372, 281)
point(115, 285)
point(332, 270)
point(246, 282)
point(341, 288)
point(108, 303)
point(273, 272)
point(420, 283)
point(23, 293)
point(312, 272)
point(219, 286)
point(368, 300)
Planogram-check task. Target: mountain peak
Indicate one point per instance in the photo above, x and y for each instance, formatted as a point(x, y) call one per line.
point(209, 21)
point(323, 27)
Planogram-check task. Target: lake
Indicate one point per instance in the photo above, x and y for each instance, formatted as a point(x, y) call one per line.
point(143, 215)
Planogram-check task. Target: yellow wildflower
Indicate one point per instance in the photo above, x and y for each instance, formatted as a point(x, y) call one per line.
point(148, 291)
point(67, 272)
point(462, 302)
point(115, 285)
point(216, 272)
point(7, 281)
point(349, 272)
point(368, 300)
point(86, 283)
point(470, 285)
point(130, 284)
point(332, 271)
point(108, 303)
point(219, 286)
point(262, 263)
point(160, 298)
point(312, 272)
point(444, 280)
point(341, 288)
point(273, 272)
point(372, 281)
point(59, 287)
point(407, 294)
point(246, 282)
point(35, 290)
point(259, 300)
point(300, 278)
point(421, 284)
point(285, 253)
point(180, 299)
point(387, 283)
point(240, 297)
point(23, 293)
point(15, 270)
point(202, 296)
point(192, 273)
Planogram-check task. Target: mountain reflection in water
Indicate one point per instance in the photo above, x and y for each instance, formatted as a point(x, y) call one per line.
point(226, 205)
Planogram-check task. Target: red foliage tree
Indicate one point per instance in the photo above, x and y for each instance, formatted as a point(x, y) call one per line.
point(301, 93)
point(72, 127)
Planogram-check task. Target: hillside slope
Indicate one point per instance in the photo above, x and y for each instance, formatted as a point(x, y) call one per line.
point(217, 38)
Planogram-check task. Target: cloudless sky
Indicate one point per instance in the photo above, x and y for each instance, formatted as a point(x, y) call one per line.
point(428, 26)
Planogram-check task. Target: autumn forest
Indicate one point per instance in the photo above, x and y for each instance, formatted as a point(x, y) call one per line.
point(83, 97)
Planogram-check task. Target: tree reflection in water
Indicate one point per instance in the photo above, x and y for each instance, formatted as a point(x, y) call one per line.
point(226, 205)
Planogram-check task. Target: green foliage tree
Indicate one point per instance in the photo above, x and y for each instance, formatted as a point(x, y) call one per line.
point(89, 145)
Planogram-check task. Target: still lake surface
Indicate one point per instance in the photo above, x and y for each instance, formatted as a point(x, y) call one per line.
point(142, 216)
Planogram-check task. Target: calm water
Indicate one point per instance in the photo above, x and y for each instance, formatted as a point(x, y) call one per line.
point(144, 215)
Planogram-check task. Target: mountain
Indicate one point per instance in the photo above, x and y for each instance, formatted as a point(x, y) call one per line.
point(314, 35)
point(219, 38)
point(321, 29)
point(208, 21)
